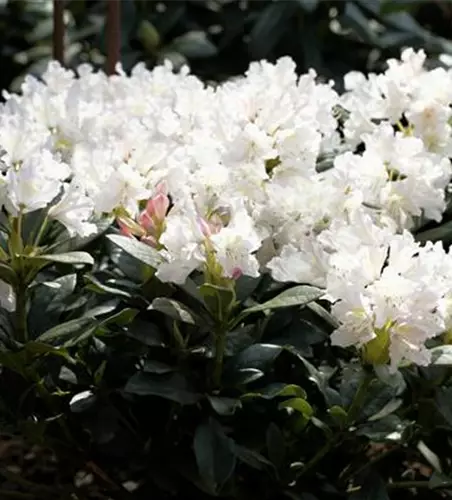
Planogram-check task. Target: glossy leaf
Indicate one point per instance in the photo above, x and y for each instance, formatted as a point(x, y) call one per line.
point(269, 28)
point(173, 387)
point(296, 296)
point(194, 45)
point(73, 258)
point(215, 454)
point(140, 251)
point(224, 406)
point(441, 355)
point(69, 329)
point(174, 310)
point(276, 446)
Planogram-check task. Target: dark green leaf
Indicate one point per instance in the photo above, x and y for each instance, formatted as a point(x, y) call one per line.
point(245, 286)
point(73, 258)
point(224, 406)
point(300, 334)
point(194, 45)
point(323, 313)
point(244, 376)
point(354, 18)
point(372, 488)
point(219, 300)
point(239, 340)
point(338, 414)
point(377, 399)
point(317, 378)
point(277, 389)
point(15, 361)
point(443, 400)
point(387, 429)
point(390, 407)
point(98, 287)
point(389, 6)
point(441, 355)
point(82, 401)
point(296, 296)
point(391, 378)
point(148, 36)
point(258, 356)
point(68, 330)
point(157, 367)
point(327, 431)
point(39, 348)
point(308, 5)
point(430, 456)
point(270, 27)
point(300, 405)
point(441, 233)
point(174, 310)
point(145, 332)
point(7, 274)
point(173, 387)
point(215, 454)
point(120, 318)
point(68, 375)
point(140, 251)
point(438, 480)
point(59, 290)
point(252, 458)
point(276, 445)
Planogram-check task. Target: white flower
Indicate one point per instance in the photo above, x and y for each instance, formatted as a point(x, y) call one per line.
point(123, 188)
point(234, 252)
point(183, 246)
point(306, 264)
point(74, 211)
point(28, 188)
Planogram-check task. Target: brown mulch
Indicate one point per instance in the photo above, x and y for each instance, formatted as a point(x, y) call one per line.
point(35, 473)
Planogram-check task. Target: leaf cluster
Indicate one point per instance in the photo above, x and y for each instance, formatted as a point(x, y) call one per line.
point(121, 371)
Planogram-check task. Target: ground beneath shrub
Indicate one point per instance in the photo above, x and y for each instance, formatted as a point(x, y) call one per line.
point(35, 473)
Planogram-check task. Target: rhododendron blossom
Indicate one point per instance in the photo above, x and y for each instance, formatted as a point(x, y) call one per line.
point(270, 173)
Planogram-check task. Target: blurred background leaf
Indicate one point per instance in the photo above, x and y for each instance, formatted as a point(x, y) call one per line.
point(219, 38)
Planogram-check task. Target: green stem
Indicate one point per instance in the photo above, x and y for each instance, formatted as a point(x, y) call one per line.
point(408, 484)
point(327, 447)
point(352, 414)
point(220, 346)
point(47, 398)
point(359, 397)
point(41, 231)
point(21, 311)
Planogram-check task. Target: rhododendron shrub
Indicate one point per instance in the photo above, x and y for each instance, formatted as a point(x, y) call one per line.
point(242, 291)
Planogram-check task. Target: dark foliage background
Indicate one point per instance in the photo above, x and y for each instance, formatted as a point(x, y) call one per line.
point(219, 38)
point(116, 376)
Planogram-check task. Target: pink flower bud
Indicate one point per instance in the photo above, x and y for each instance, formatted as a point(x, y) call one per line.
point(146, 221)
point(158, 206)
point(125, 230)
point(205, 227)
point(162, 188)
point(236, 273)
point(129, 227)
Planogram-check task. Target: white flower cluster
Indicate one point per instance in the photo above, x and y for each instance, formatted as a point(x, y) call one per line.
point(230, 179)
